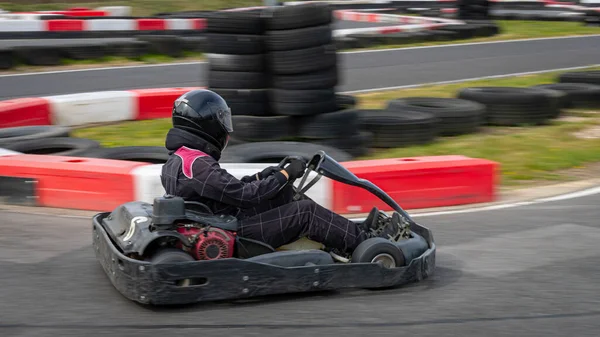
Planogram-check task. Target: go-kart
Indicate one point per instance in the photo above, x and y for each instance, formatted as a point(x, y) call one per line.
point(178, 252)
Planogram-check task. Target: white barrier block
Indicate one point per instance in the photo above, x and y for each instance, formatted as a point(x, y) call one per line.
point(179, 24)
point(7, 152)
point(148, 185)
point(92, 107)
point(110, 24)
point(116, 10)
point(22, 26)
point(146, 180)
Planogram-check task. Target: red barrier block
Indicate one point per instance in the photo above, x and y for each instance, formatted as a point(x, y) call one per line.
point(24, 112)
point(151, 24)
point(420, 182)
point(75, 183)
point(199, 24)
point(64, 25)
point(157, 103)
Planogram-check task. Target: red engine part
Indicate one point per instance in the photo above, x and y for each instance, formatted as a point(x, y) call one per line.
point(210, 243)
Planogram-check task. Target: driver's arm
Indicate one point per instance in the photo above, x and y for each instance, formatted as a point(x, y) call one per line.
point(217, 184)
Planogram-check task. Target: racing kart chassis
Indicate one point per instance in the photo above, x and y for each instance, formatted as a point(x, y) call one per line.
point(268, 272)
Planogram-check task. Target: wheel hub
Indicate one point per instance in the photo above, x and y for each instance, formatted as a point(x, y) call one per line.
point(385, 259)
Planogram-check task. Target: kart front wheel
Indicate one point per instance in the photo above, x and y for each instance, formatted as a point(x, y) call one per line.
point(378, 250)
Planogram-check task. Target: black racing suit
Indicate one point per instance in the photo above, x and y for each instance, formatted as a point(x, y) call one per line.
point(265, 208)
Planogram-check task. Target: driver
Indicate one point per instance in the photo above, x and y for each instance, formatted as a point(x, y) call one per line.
point(262, 202)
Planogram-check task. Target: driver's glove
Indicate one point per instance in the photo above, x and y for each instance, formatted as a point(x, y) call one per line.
point(262, 174)
point(295, 169)
point(268, 171)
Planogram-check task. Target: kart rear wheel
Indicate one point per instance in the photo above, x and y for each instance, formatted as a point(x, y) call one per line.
point(172, 255)
point(378, 250)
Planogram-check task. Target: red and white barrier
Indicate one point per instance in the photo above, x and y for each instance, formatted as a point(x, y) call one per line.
point(74, 25)
point(90, 107)
point(103, 184)
point(94, 107)
point(6, 152)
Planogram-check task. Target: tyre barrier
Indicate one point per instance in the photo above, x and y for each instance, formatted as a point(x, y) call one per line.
point(351, 132)
point(102, 184)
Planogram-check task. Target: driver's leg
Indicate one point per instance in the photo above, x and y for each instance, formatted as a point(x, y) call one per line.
point(304, 218)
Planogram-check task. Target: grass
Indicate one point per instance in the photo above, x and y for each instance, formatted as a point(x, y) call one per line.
point(526, 154)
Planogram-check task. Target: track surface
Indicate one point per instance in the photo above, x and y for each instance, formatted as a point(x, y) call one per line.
point(526, 271)
point(370, 70)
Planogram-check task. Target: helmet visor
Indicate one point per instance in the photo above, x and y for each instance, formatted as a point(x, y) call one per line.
point(223, 114)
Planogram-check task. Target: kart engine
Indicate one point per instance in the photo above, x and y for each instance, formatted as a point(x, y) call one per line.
point(209, 243)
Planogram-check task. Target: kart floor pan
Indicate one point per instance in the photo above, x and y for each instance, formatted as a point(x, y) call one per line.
point(228, 279)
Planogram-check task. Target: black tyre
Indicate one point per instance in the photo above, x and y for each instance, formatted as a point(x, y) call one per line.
point(38, 56)
point(24, 133)
point(329, 125)
point(235, 44)
point(577, 95)
point(399, 38)
point(297, 16)
point(443, 35)
point(246, 102)
point(6, 59)
point(279, 40)
point(237, 80)
point(320, 79)
point(239, 22)
point(357, 144)
point(590, 77)
point(60, 146)
point(378, 250)
point(174, 255)
point(303, 102)
point(170, 255)
point(255, 129)
point(170, 45)
point(464, 31)
point(303, 60)
point(84, 51)
point(345, 101)
point(511, 106)
point(392, 129)
point(236, 63)
point(457, 116)
point(146, 154)
point(194, 43)
point(274, 152)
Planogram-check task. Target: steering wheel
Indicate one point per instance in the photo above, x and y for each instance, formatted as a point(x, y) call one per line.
point(285, 161)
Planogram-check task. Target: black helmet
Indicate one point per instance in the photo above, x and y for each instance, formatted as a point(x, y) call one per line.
point(205, 114)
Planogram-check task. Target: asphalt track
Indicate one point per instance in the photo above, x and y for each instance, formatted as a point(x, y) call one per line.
point(360, 70)
point(524, 271)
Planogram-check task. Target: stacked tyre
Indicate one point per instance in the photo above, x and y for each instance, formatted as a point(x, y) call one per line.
point(236, 54)
point(302, 59)
point(516, 106)
point(473, 9)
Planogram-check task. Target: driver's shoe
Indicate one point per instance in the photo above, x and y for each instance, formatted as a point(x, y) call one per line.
point(391, 229)
point(371, 220)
